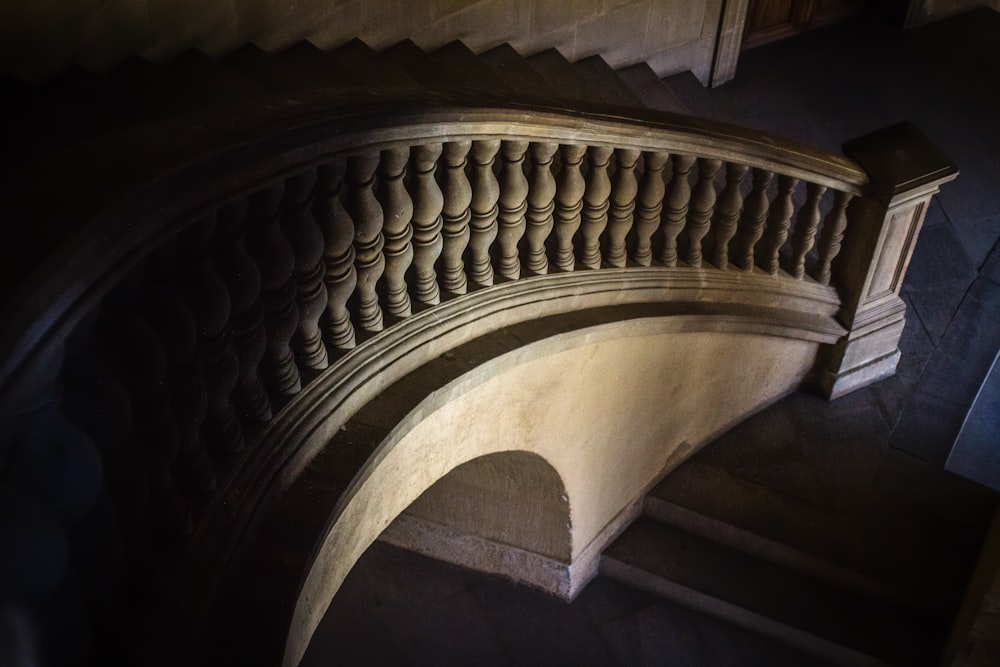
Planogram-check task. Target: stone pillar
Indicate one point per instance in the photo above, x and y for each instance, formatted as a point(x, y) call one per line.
point(906, 170)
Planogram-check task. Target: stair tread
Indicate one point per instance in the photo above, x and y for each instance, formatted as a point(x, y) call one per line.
point(565, 81)
point(302, 67)
point(760, 587)
point(463, 65)
point(356, 56)
point(886, 548)
point(416, 64)
point(514, 70)
point(648, 87)
point(599, 74)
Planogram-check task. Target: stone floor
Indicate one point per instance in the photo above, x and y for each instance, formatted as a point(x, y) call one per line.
point(875, 450)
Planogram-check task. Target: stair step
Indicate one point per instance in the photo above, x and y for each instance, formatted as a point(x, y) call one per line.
point(302, 67)
point(565, 82)
point(194, 81)
point(881, 555)
point(801, 611)
point(463, 65)
point(357, 57)
point(648, 87)
point(598, 73)
point(416, 64)
point(515, 71)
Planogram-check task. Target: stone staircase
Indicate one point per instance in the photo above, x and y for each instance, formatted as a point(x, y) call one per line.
point(721, 544)
point(78, 104)
point(854, 588)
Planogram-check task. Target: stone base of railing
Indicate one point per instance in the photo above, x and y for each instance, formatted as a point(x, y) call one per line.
point(863, 356)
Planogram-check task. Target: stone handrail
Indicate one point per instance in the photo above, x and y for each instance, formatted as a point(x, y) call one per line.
point(185, 320)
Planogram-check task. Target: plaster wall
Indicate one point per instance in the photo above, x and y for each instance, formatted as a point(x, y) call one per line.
point(611, 409)
point(42, 37)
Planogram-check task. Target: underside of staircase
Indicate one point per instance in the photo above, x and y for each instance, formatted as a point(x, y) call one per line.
point(756, 557)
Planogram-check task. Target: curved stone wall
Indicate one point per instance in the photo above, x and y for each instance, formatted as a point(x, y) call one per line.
point(612, 409)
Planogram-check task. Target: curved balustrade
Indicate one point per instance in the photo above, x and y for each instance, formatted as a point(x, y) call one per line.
point(235, 297)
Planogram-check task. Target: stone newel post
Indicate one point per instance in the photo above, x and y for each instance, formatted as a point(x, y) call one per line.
point(906, 170)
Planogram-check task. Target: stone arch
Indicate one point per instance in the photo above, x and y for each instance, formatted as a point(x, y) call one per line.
point(610, 408)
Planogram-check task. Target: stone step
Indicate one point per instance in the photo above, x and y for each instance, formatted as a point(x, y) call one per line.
point(357, 57)
point(598, 73)
point(885, 557)
point(649, 88)
point(804, 612)
point(565, 82)
point(416, 64)
point(515, 71)
point(302, 67)
point(464, 66)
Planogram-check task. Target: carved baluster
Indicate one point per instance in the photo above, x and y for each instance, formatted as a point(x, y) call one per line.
point(779, 219)
point(512, 205)
point(276, 262)
point(369, 262)
point(340, 277)
point(596, 200)
point(241, 276)
point(427, 205)
point(678, 197)
point(457, 194)
point(541, 204)
point(702, 207)
point(397, 211)
point(624, 189)
point(211, 307)
point(832, 235)
point(306, 240)
point(484, 209)
point(174, 325)
point(569, 204)
point(650, 205)
point(142, 366)
point(805, 229)
point(751, 224)
point(727, 213)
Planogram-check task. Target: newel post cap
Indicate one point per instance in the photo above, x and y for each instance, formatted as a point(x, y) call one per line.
point(900, 159)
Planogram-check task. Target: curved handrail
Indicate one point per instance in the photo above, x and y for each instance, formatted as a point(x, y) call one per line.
point(136, 202)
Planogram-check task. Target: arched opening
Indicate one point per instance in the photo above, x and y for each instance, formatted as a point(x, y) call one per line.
point(505, 514)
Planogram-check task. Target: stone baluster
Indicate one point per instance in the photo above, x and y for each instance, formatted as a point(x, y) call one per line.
point(727, 212)
point(702, 207)
point(306, 239)
point(778, 221)
point(485, 210)
point(751, 224)
point(596, 201)
point(541, 204)
point(239, 272)
point(513, 203)
point(211, 307)
point(142, 366)
point(276, 263)
point(397, 211)
point(340, 278)
point(369, 262)
point(624, 188)
point(806, 225)
point(570, 189)
point(428, 203)
point(678, 198)
point(174, 324)
point(832, 235)
point(650, 205)
point(457, 192)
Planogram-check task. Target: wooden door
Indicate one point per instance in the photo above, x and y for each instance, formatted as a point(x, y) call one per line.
point(770, 20)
